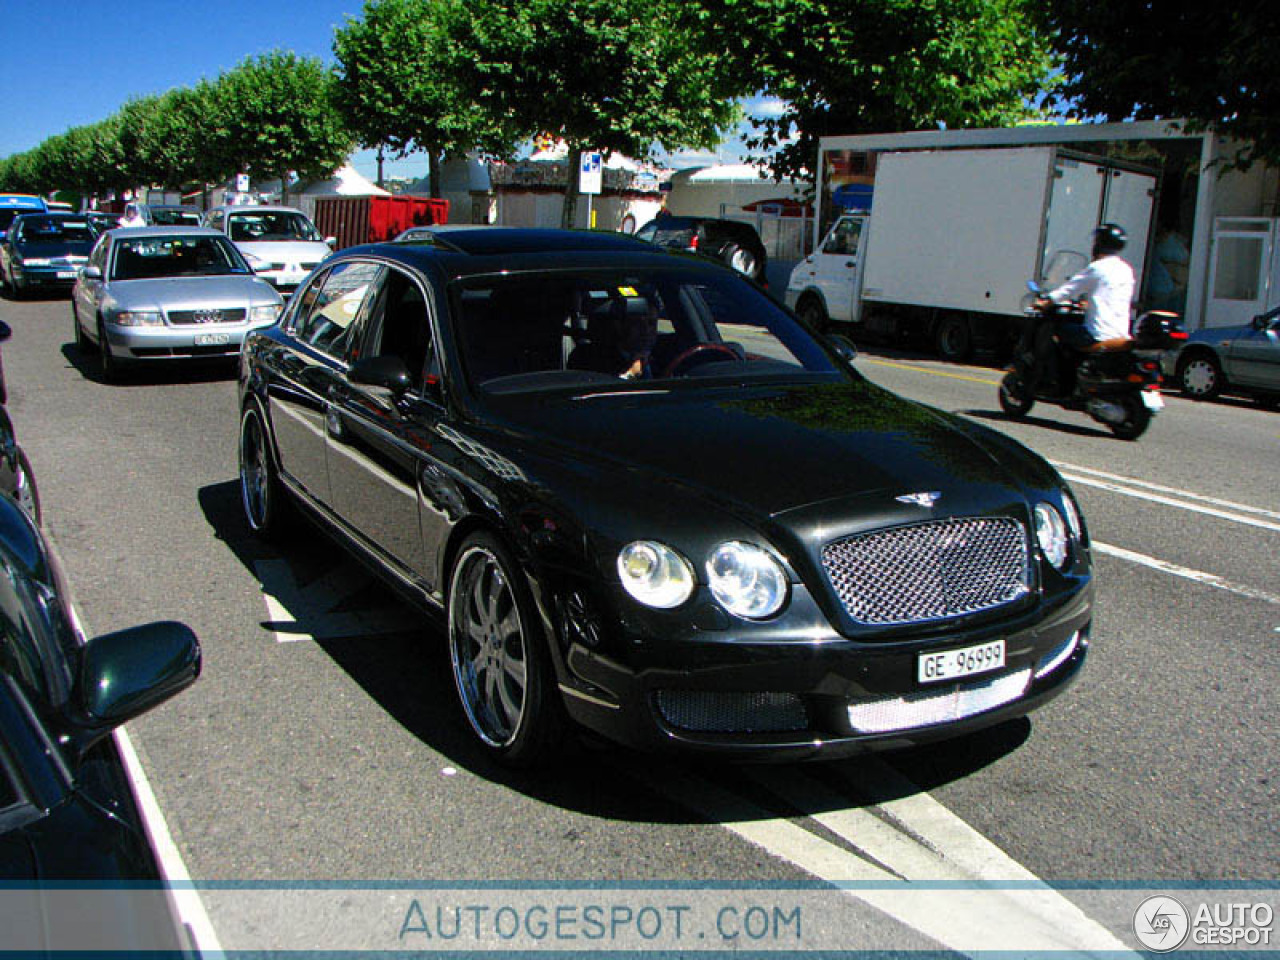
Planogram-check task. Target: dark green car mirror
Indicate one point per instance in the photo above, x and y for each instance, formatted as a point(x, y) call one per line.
point(125, 674)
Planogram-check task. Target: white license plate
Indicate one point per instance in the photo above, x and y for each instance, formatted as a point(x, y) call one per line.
point(1153, 400)
point(965, 662)
point(212, 339)
point(66, 274)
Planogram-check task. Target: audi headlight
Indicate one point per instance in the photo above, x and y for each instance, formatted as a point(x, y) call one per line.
point(1051, 532)
point(138, 318)
point(36, 262)
point(746, 580)
point(655, 574)
point(265, 314)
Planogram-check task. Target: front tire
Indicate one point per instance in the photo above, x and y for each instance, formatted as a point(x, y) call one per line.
point(811, 311)
point(81, 341)
point(262, 495)
point(110, 365)
point(1015, 399)
point(1200, 376)
point(501, 662)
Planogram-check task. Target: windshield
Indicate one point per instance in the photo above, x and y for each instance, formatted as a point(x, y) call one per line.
point(593, 328)
point(1062, 266)
point(268, 225)
point(151, 258)
point(174, 218)
point(55, 230)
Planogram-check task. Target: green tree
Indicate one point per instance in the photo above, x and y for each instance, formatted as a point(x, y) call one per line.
point(877, 66)
point(1174, 59)
point(397, 88)
point(619, 76)
point(274, 114)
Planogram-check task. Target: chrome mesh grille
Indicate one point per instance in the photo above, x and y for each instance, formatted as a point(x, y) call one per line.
point(929, 571)
point(929, 707)
point(212, 315)
point(717, 712)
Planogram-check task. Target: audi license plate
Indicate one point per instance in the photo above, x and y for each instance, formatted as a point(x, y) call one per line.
point(965, 662)
point(212, 339)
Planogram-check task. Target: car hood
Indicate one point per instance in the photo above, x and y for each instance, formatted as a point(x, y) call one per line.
point(183, 293)
point(275, 251)
point(776, 451)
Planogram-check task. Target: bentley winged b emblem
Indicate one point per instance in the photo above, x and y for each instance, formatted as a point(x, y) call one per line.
point(926, 500)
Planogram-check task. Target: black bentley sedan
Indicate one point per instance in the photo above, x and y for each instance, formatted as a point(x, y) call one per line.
point(645, 499)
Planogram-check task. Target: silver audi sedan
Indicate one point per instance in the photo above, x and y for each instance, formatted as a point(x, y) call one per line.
point(150, 294)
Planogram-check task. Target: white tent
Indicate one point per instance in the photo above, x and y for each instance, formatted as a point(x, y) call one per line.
point(346, 182)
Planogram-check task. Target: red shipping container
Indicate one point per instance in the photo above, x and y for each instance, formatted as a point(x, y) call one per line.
point(354, 220)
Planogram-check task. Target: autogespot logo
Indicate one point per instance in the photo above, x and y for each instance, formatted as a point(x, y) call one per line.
point(1161, 923)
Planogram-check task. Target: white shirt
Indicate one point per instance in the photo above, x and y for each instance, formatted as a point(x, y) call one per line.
point(1108, 285)
point(134, 221)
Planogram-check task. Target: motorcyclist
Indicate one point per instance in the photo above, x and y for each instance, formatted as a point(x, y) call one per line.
point(1106, 286)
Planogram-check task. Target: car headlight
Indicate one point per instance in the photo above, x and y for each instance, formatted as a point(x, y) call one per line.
point(655, 574)
point(138, 318)
point(266, 314)
point(36, 262)
point(1051, 532)
point(746, 580)
point(1072, 514)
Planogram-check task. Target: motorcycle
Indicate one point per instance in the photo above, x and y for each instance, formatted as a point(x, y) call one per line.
point(1115, 382)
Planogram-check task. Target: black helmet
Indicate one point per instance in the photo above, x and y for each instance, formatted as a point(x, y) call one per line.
point(1109, 238)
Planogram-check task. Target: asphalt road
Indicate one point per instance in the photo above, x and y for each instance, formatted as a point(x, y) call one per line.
point(322, 742)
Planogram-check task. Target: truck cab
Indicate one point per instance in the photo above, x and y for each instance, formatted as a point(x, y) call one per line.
point(823, 287)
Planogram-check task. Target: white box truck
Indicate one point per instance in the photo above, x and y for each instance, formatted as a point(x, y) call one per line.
point(953, 236)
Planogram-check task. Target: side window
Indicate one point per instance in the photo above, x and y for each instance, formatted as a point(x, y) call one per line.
point(400, 326)
point(330, 314)
point(844, 238)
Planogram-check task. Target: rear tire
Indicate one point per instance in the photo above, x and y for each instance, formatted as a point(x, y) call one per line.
point(953, 338)
point(1015, 399)
point(1137, 418)
point(25, 492)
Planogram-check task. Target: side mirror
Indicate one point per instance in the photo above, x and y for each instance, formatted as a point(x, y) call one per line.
point(125, 674)
point(91, 273)
point(844, 347)
point(332, 242)
point(384, 372)
point(1033, 287)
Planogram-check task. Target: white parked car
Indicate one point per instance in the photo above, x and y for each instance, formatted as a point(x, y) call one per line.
point(280, 243)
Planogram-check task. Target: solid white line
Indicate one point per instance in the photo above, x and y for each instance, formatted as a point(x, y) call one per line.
point(186, 897)
point(1160, 488)
point(1170, 502)
point(1208, 579)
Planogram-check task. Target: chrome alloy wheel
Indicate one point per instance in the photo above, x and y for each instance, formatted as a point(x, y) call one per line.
point(255, 472)
point(488, 647)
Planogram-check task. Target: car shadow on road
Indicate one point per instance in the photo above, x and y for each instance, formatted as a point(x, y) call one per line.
point(407, 672)
point(182, 371)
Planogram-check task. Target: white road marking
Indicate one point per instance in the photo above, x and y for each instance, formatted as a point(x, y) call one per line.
point(306, 612)
point(1152, 497)
point(186, 897)
point(1208, 579)
point(997, 905)
point(1160, 488)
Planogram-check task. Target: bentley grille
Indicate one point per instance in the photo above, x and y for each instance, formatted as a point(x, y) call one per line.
point(930, 571)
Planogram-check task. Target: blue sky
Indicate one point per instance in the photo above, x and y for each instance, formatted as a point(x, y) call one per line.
point(69, 64)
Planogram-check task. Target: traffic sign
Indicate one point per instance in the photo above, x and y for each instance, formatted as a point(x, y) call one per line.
point(591, 173)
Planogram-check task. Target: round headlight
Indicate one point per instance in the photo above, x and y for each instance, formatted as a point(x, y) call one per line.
point(655, 574)
point(746, 580)
point(1052, 534)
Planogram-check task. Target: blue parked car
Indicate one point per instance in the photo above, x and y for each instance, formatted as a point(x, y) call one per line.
point(44, 250)
point(14, 205)
point(1241, 359)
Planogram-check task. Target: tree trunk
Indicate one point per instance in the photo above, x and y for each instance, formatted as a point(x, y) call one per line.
point(569, 213)
point(433, 174)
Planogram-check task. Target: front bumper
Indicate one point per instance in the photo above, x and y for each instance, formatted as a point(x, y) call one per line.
point(790, 699)
point(53, 276)
point(175, 342)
